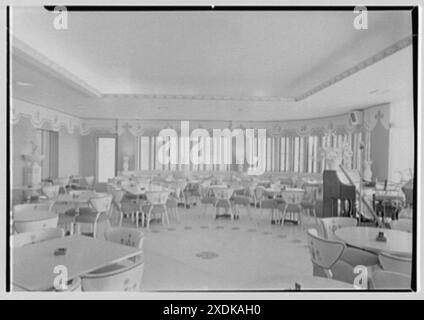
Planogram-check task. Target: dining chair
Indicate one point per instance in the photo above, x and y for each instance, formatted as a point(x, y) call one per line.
point(36, 224)
point(117, 197)
point(292, 203)
point(156, 204)
point(387, 280)
point(265, 203)
point(351, 255)
point(63, 183)
point(241, 201)
point(309, 200)
point(324, 253)
point(25, 238)
point(89, 182)
point(330, 225)
point(395, 263)
point(101, 206)
point(406, 213)
point(51, 192)
point(408, 190)
point(125, 236)
point(121, 279)
point(207, 197)
point(325, 256)
point(223, 196)
point(402, 225)
point(80, 208)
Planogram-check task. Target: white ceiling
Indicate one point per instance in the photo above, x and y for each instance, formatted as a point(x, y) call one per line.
point(211, 54)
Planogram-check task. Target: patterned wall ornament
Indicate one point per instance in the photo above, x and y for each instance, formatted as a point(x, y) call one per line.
point(377, 114)
point(303, 131)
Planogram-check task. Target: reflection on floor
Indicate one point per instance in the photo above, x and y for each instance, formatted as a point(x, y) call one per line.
point(202, 253)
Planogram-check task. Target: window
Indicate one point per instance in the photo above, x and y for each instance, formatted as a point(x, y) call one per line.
point(287, 153)
point(106, 158)
point(49, 145)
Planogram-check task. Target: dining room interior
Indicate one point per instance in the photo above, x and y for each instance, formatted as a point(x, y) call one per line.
point(211, 150)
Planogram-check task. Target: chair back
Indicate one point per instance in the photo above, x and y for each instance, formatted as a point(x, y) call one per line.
point(117, 195)
point(259, 193)
point(330, 225)
point(102, 203)
point(311, 191)
point(126, 236)
point(30, 207)
point(25, 238)
point(395, 263)
point(402, 225)
point(157, 197)
point(223, 193)
point(62, 182)
point(324, 253)
point(292, 196)
point(123, 279)
point(408, 190)
point(51, 192)
point(389, 280)
point(36, 224)
point(89, 181)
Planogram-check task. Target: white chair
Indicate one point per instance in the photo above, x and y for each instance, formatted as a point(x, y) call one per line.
point(125, 236)
point(387, 280)
point(122, 279)
point(35, 223)
point(223, 196)
point(22, 239)
point(89, 181)
point(330, 225)
point(80, 208)
point(293, 203)
point(402, 225)
point(352, 256)
point(324, 253)
point(157, 203)
point(51, 192)
point(101, 206)
point(394, 263)
point(117, 196)
point(62, 183)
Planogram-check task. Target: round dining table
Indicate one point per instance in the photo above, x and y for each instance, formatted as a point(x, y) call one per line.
point(297, 282)
point(35, 215)
point(397, 242)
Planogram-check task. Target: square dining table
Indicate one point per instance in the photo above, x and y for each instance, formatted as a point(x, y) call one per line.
point(33, 266)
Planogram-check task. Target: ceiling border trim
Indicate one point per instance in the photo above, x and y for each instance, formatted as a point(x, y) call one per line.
point(397, 46)
point(37, 59)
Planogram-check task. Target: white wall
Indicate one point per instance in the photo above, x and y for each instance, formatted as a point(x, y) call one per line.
point(401, 155)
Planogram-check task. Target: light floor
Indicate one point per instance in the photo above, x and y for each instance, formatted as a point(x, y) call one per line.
point(202, 253)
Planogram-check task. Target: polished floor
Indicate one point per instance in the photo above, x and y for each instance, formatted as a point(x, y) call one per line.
point(199, 252)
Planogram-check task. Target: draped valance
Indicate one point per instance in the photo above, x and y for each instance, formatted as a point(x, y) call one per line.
point(39, 116)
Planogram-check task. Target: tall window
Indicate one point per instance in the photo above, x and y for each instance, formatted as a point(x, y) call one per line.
point(106, 158)
point(49, 145)
point(287, 153)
